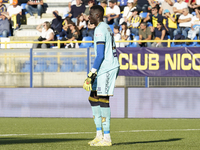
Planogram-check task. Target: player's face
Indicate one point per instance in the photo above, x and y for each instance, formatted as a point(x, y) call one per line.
point(92, 17)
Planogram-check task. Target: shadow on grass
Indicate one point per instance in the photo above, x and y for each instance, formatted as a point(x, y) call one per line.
point(4, 141)
point(140, 142)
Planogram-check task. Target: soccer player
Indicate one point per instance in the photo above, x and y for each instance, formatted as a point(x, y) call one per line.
point(101, 78)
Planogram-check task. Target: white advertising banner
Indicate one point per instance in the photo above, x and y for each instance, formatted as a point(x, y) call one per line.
point(53, 102)
point(164, 103)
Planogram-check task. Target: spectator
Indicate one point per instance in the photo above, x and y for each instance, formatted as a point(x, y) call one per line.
point(127, 12)
point(122, 4)
point(56, 24)
point(194, 6)
point(71, 3)
point(160, 34)
point(184, 23)
point(34, 6)
point(66, 32)
point(4, 23)
point(155, 17)
point(104, 5)
point(195, 28)
point(81, 24)
point(178, 7)
point(134, 22)
point(170, 23)
point(167, 4)
point(90, 30)
point(144, 34)
point(190, 4)
point(75, 35)
point(76, 10)
point(113, 13)
point(87, 10)
point(153, 4)
point(47, 34)
point(125, 34)
point(117, 36)
point(14, 13)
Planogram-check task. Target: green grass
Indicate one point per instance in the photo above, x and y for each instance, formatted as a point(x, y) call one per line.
point(161, 137)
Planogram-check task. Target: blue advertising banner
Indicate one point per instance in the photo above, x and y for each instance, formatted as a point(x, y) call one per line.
point(180, 62)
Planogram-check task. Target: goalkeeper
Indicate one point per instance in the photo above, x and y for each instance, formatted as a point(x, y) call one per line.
point(101, 79)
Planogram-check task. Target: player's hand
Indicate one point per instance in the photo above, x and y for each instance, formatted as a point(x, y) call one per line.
point(89, 81)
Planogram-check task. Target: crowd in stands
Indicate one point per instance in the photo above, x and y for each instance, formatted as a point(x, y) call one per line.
point(160, 20)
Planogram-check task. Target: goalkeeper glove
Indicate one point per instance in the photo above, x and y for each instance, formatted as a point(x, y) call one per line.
point(89, 81)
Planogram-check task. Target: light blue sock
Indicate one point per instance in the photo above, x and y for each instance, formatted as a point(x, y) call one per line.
point(105, 113)
point(97, 118)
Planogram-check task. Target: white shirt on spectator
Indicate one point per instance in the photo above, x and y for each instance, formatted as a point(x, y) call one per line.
point(198, 2)
point(45, 34)
point(82, 23)
point(195, 20)
point(14, 10)
point(115, 10)
point(117, 37)
point(185, 24)
point(180, 6)
point(73, 2)
point(128, 33)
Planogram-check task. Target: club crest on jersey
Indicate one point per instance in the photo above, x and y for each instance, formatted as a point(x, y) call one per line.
point(98, 34)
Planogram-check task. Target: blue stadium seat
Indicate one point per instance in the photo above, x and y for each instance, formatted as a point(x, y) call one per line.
point(194, 13)
point(143, 14)
point(23, 5)
point(176, 45)
point(134, 44)
point(40, 67)
point(86, 45)
point(66, 64)
point(112, 27)
point(192, 44)
point(26, 67)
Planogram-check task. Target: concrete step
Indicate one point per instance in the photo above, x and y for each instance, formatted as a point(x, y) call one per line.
point(23, 38)
point(58, 1)
point(27, 33)
point(36, 21)
point(28, 26)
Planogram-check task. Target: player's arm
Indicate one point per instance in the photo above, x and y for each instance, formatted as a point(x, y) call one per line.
point(97, 63)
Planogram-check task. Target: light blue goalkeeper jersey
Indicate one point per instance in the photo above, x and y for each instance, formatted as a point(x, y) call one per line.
point(103, 34)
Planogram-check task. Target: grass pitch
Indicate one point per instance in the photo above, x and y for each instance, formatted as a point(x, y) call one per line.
point(74, 133)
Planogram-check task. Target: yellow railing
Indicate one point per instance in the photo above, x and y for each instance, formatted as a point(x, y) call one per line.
point(59, 42)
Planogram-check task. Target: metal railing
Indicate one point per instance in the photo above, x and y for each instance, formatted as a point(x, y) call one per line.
point(61, 42)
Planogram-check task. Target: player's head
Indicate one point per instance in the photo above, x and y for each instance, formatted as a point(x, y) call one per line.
point(96, 14)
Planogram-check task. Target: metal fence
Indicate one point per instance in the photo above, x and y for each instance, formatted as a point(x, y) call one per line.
point(66, 68)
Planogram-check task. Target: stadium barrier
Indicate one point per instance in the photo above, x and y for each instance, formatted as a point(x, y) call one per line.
point(126, 103)
point(130, 41)
point(68, 68)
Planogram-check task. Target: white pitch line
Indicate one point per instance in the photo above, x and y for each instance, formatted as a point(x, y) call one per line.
point(67, 133)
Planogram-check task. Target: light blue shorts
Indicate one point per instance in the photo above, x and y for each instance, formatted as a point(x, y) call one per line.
point(105, 83)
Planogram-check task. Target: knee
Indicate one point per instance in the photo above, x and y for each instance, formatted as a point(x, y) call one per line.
point(27, 6)
point(39, 6)
point(5, 33)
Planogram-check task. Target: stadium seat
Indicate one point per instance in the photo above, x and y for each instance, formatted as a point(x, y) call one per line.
point(23, 5)
point(176, 45)
point(191, 44)
point(66, 64)
point(26, 67)
point(143, 14)
point(40, 67)
point(112, 27)
point(194, 13)
point(134, 44)
point(86, 45)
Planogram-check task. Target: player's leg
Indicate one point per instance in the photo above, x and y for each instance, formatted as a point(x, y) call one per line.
point(105, 86)
point(94, 102)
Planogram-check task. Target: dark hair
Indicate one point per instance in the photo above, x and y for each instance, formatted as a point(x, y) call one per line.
point(68, 19)
point(78, 21)
point(116, 27)
point(76, 28)
point(124, 29)
point(161, 24)
point(91, 1)
point(144, 23)
point(99, 9)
